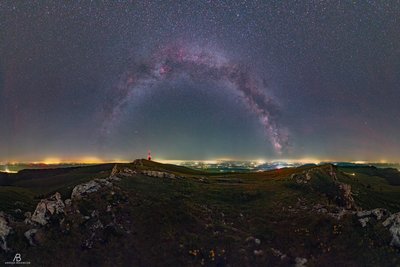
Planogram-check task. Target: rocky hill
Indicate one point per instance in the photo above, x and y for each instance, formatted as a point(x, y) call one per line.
point(151, 214)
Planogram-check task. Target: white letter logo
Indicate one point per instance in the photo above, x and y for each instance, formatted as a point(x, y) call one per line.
point(17, 257)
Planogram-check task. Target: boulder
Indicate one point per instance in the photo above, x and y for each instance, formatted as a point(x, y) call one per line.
point(47, 207)
point(364, 221)
point(40, 216)
point(258, 252)
point(366, 215)
point(4, 231)
point(393, 222)
point(378, 213)
point(83, 189)
point(300, 262)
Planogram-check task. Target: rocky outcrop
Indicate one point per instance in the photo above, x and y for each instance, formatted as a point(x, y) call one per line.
point(307, 175)
point(159, 174)
point(5, 230)
point(301, 178)
point(324, 179)
point(127, 172)
point(83, 189)
point(114, 171)
point(46, 208)
point(95, 185)
point(104, 182)
point(114, 174)
point(393, 223)
point(366, 216)
point(346, 196)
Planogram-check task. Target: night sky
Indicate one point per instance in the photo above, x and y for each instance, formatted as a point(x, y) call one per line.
point(83, 80)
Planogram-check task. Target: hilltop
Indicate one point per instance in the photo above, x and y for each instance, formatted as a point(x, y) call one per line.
point(146, 213)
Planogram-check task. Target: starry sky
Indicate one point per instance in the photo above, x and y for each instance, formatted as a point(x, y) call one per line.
point(91, 80)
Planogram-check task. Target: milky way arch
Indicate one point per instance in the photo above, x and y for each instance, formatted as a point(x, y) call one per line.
point(200, 63)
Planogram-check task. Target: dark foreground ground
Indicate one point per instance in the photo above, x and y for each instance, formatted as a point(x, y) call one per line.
point(151, 214)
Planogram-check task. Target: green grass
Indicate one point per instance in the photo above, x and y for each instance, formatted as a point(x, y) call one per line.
point(168, 219)
point(44, 182)
point(370, 189)
point(12, 198)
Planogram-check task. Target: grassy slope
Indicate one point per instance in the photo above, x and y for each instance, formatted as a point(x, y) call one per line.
point(28, 186)
point(374, 187)
point(183, 222)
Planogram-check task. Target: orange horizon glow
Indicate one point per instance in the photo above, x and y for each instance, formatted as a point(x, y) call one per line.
point(259, 161)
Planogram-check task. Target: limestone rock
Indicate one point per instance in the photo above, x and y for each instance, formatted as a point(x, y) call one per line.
point(364, 221)
point(346, 195)
point(302, 178)
point(4, 231)
point(127, 172)
point(83, 189)
point(39, 216)
point(114, 171)
point(258, 252)
point(300, 262)
point(47, 207)
point(366, 215)
point(114, 179)
point(159, 174)
point(113, 176)
point(378, 213)
point(393, 222)
point(104, 182)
